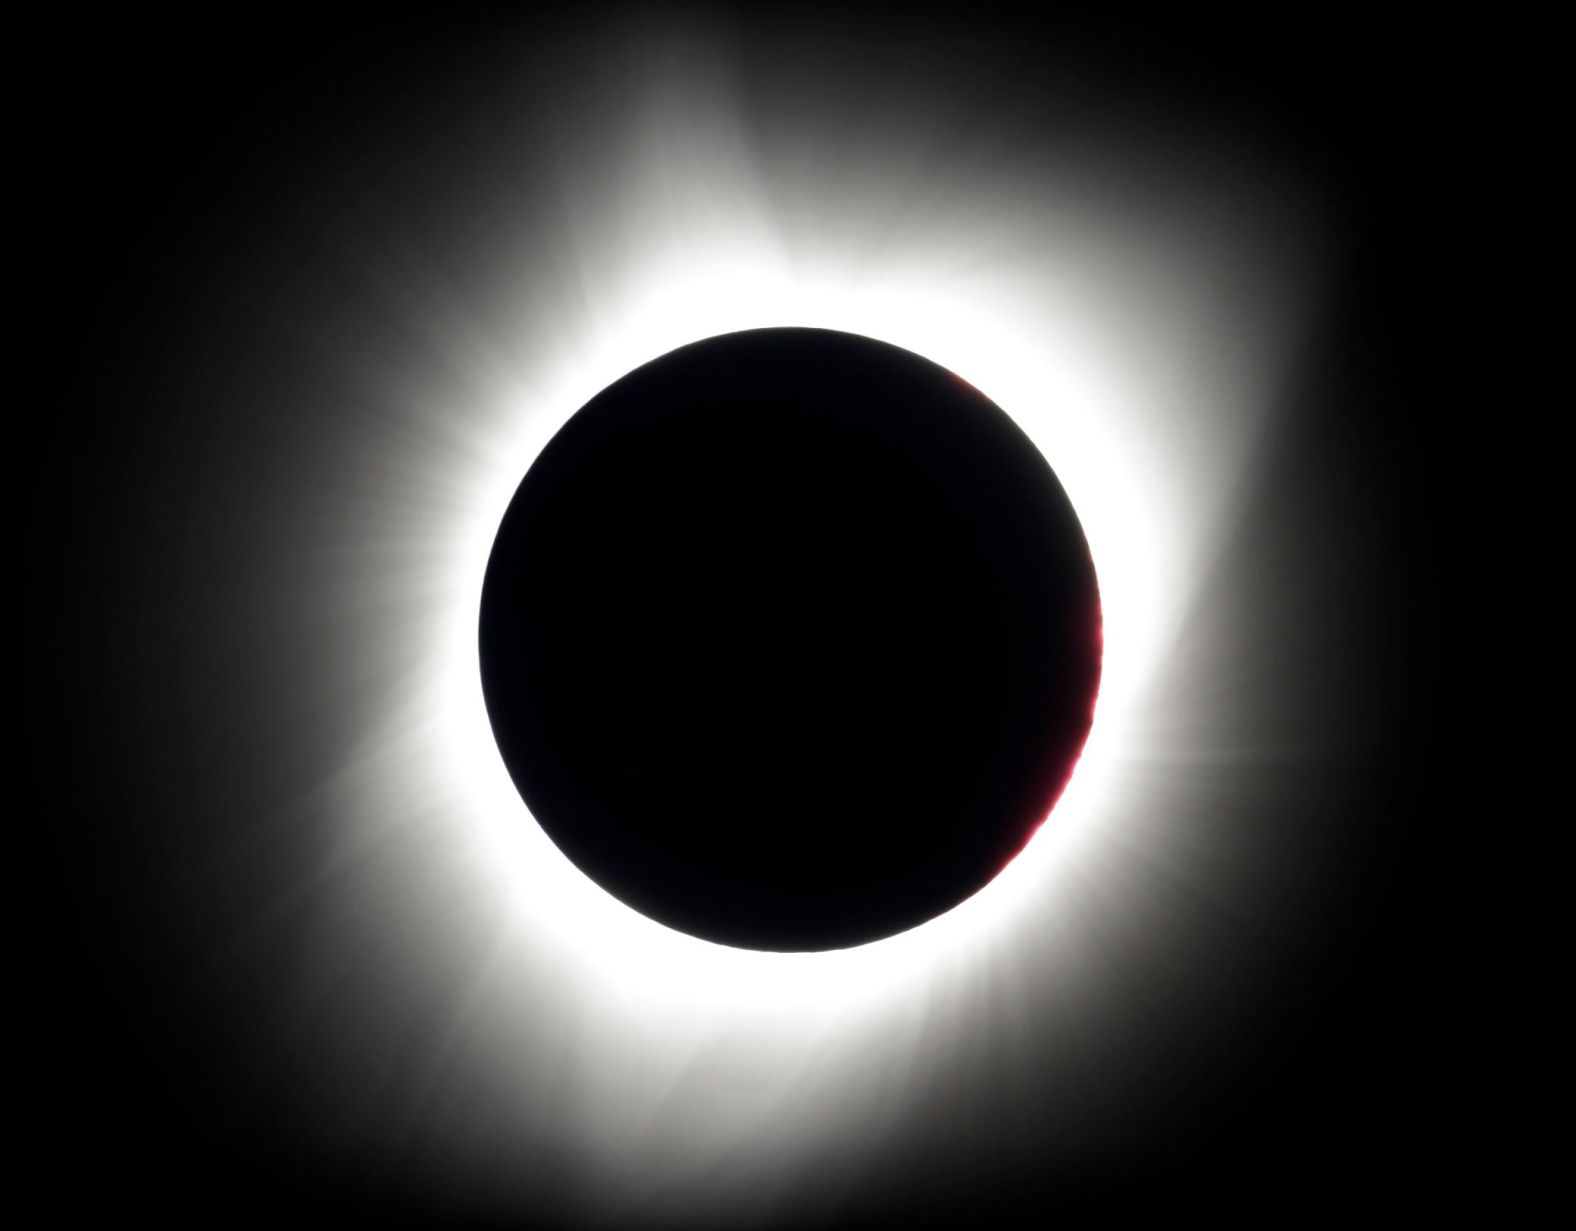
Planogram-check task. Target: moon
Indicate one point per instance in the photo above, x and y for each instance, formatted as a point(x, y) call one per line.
point(790, 639)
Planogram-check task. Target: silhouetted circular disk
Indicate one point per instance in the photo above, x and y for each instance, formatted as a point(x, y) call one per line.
point(790, 639)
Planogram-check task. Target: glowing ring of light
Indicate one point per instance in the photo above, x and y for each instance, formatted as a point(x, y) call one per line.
point(1040, 392)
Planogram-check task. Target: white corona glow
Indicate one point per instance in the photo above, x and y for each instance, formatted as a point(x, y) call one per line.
point(1139, 349)
point(666, 311)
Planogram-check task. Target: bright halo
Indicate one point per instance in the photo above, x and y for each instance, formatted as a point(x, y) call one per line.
point(1141, 351)
point(634, 947)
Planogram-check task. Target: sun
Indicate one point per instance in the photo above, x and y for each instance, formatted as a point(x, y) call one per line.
point(1054, 399)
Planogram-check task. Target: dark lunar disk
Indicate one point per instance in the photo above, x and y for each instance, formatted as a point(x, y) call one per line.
point(790, 639)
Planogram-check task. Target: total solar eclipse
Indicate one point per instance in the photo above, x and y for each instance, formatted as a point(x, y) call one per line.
point(790, 639)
